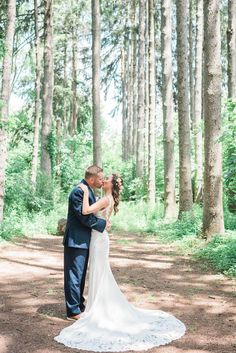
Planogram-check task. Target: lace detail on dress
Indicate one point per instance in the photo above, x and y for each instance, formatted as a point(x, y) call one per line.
point(164, 329)
point(107, 212)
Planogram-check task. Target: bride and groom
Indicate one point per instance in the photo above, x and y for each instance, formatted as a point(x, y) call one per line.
point(108, 322)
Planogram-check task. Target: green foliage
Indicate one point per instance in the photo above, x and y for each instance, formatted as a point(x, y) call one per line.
point(221, 254)
point(189, 224)
point(137, 217)
point(11, 226)
point(31, 224)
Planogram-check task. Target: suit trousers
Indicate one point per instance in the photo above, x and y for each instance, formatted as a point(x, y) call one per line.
point(75, 267)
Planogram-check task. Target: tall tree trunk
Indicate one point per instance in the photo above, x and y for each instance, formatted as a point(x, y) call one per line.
point(168, 111)
point(134, 77)
point(5, 96)
point(191, 56)
point(47, 112)
point(146, 107)
point(96, 85)
point(141, 70)
point(197, 111)
point(130, 81)
point(185, 185)
point(37, 97)
point(212, 196)
point(124, 103)
point(129, 97)
point(59, 135)
point(65, 94)
point(231, 41)
point(73, 120)
point(152, 105)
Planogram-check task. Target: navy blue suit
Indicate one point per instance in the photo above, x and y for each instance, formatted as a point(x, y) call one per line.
point(76, 248)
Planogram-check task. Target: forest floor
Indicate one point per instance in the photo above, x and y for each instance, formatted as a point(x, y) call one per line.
point(151, 275)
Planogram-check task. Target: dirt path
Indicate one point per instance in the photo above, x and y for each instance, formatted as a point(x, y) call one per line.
point(151, 275)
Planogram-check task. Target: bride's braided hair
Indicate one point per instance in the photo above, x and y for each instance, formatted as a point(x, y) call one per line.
point(117, 183)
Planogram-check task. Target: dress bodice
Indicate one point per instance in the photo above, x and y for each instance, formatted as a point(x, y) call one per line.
point(106, 213)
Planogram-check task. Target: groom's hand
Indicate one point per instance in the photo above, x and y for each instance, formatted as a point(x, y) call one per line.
point(108, 225)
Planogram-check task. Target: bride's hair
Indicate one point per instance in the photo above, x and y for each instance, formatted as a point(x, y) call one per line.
point(117, 183)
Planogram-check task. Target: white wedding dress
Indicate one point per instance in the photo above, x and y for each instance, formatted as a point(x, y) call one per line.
point(110, 323)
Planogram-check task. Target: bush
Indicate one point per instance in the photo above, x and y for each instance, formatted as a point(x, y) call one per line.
point(11, 227)
point(221, 253)
point(137, 216)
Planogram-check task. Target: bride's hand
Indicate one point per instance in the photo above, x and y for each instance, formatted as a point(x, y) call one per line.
point(83, 187)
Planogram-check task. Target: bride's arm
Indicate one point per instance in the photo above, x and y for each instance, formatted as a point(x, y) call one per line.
point(97, 206)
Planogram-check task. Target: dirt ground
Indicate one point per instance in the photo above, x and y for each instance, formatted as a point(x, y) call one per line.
point(151, 275)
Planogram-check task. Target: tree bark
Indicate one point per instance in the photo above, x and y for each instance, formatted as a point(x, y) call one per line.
point(37, 97)
point(146, 107)
point(73, 120)
point(59, 135)
point(129, 84)
point(185, 185)
point(96, 85)
point(231, 43)
point(124, 103)
point(5, 96)
point(212, 197)
point(168, 111)
point(47, 112)
point(141, 70)
point(134, 77)
point(197, 111)
point(191, 56)
point(152, 108)
point(65, 86)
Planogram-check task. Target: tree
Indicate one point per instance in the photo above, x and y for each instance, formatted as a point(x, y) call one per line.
point(191, 58)
point(146, 108)
point(197, 109)
point(141, 85)
point(212, 196)
point(152, 107)
point(185, 185)
point(231, 43)
point(134, 75)
point(124, 104)
point(96, 86)
point(59, 136)
point(47, 112)
point(73, 120)
point(168, 111)
point(37, 97)
point(65, 86)
point(5, 96)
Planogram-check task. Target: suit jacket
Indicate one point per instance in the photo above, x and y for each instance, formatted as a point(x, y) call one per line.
point(79, 227)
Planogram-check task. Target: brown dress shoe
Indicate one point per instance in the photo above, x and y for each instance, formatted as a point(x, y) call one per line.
point(74, 317)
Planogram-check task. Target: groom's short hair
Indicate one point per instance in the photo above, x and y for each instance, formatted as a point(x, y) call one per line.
point(93, 170)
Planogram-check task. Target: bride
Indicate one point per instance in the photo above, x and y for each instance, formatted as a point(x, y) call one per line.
point(110, 322)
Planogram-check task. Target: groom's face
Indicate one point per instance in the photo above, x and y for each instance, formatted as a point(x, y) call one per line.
point(98, 180)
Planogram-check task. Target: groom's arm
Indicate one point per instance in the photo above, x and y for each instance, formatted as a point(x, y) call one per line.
point(90, 220)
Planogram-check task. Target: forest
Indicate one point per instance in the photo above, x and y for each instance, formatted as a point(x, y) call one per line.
point(143, 88)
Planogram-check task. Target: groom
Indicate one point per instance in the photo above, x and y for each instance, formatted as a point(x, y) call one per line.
point(76, 242)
